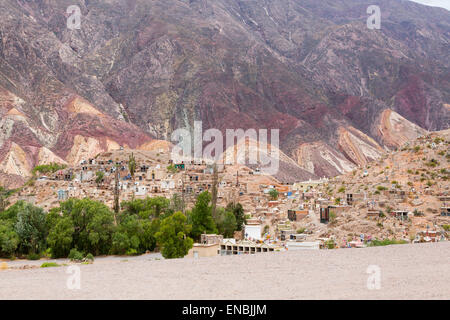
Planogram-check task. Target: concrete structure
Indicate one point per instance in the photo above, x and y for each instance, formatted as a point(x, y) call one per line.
point(253, 230)
point(295, 245)
point(244, 247)
point(297, 215)
point(355, 197)
point(306, 185)
point(211, 239)
point(200, 250)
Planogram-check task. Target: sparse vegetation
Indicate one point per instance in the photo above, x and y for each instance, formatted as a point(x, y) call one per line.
point(332, 217)
point(48, 168)
point(49, 265)
point(172, 169)
point(386, 242)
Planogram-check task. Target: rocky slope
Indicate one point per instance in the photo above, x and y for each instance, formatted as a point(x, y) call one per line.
point(137, 70)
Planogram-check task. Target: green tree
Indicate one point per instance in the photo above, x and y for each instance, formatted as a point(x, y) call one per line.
point(273, 193)
point(147, 208)
point(177, 203)
point(31, 228)
point(3, 196)
point(48, 168)
point(172, 237)
point(225, 222)
point(201, 216)
point(9, 239)
point(239, 214)
point(148, 236)
point(60, 238)
point(132, 168)
point(126, 238)
point(93, 223)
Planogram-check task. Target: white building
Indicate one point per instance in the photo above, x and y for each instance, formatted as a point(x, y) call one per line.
point(141, 190)
point(253, 231)
point(167, 184)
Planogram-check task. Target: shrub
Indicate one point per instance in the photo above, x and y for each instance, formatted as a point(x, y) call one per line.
point(75, 255)
point(330, 244)
point(132, 252)
point(49, 265)
point(301, 230)
point(89, 257)
point(172, 169)
point(33, 256)
point(386, 242)
point(332, 217)
point(48, 168)
point(341, 190)
point(432, 163)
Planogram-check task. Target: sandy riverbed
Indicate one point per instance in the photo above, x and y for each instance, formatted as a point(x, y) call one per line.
point(420, 271)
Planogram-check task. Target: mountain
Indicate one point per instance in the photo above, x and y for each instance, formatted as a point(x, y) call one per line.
point(137, 70)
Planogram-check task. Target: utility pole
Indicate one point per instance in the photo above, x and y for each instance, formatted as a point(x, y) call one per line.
point(116, 194)
point(215, 186)
point(184, 192)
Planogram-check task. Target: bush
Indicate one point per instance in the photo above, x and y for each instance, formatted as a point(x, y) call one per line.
point(332, 217)
point(131, 252)
point(33, 256)
point(89, 257)
point(386, 242)
point(49, 265)
point(75, 255)
point(330, 244)
point(301, 230)
point(172, 169)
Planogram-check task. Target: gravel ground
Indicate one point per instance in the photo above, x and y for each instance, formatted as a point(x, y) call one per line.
point(420, 271)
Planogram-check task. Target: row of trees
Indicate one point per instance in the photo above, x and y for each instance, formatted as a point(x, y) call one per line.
point(91, 227)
